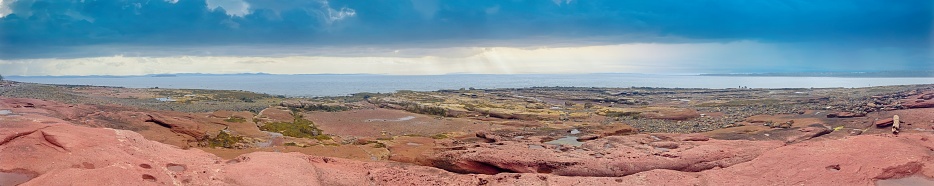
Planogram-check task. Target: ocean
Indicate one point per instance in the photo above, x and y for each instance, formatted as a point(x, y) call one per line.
point(337, 85)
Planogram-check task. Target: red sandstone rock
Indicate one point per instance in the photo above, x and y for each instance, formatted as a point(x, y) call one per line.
point(884, 122)
point(921, 104)
point(807, 133)
point(845, 115)
point(693, 137)
point(856, 160)
point(58, 152)
point(636, 153)
point(66, 154)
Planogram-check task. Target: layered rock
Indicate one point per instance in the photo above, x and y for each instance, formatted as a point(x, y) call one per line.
point(48, 144)
point(845, 115)
point(611, 156)
point(60, 153)
point(55, 154)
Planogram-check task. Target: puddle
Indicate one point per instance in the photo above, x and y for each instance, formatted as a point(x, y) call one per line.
point(915, 180)
point(567, 140)
point(575, 131)
point(166, 99)
point(391, 120)
point(273, 136)
point(175, 167)
point(413, 144)
point(11, 178)
point(5, 112)
point(405, 118)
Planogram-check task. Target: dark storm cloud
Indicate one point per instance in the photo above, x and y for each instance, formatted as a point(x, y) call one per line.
point(55, 28)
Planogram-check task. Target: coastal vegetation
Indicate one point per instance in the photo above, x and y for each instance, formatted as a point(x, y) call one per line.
point(325, 108)
point(299, 128)
point(223, 139)
point(195, 101)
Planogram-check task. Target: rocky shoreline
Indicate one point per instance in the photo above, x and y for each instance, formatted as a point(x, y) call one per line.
point(533, 136)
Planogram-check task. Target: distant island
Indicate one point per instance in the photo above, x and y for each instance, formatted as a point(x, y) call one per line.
point(146, 75)
point(918, 73)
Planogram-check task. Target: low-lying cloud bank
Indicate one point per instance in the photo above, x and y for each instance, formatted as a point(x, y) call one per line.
point(741, 56)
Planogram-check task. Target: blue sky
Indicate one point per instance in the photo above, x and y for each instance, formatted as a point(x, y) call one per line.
point(129, 37)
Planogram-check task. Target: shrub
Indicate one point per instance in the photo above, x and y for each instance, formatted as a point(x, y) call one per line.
point(223, 139)
point(325, 108)
point(379, 145)
point(299, 128)
point(634, 115)
point(439, 136)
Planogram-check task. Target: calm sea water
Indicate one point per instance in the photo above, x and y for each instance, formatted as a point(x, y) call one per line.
point(334, 85)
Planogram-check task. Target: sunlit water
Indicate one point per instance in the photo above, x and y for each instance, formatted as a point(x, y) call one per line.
point(333, 85)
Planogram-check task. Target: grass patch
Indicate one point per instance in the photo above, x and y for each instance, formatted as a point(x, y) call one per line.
point(325, 108)
point(440, 136)
point(223, 139)
point(299, 128)
point(379, 145)
point(634, 115)
point(322, 137)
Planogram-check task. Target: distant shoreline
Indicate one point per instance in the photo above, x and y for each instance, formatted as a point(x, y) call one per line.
point(880, 74)
point(877, 74)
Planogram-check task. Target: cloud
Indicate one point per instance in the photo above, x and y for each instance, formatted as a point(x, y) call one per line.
point(232, 7)
point(62, 28)
point(718, 57)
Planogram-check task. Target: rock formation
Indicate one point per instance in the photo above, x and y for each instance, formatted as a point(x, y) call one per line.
point(53, 154)
point(895, 124)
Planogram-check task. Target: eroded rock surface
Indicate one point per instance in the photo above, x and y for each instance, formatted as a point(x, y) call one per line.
point(611, 156)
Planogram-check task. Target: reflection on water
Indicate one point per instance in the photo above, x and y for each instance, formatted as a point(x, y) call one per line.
point(391, 120)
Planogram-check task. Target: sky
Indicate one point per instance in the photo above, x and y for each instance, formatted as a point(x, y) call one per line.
point(417, 37)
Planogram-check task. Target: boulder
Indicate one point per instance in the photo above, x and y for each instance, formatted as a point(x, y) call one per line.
point(806, 133)
point(926, 96)
point(883, 122)
point(920, 104)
